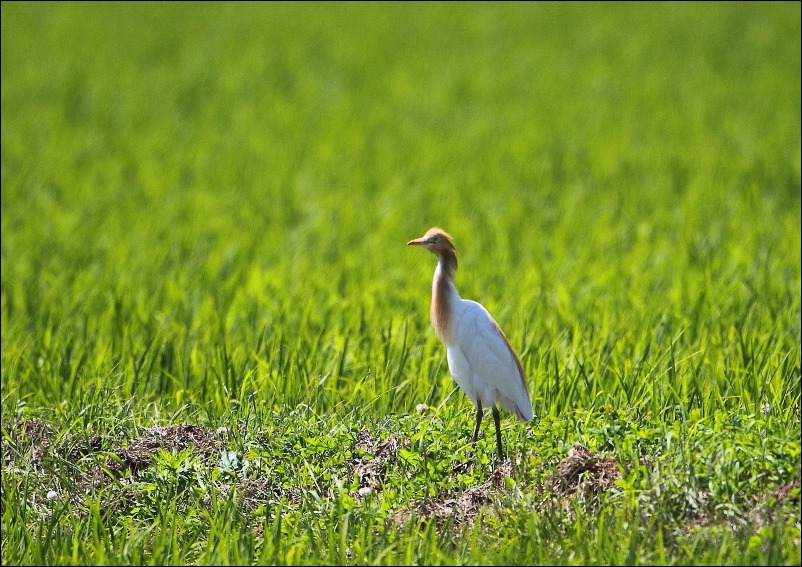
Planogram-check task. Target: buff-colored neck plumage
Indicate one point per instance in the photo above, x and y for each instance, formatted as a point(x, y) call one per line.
point(444, 294)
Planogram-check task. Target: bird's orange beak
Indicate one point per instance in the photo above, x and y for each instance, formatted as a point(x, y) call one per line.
point(417, 242)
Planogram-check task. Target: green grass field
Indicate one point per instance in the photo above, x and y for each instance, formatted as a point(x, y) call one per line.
point(215, 341)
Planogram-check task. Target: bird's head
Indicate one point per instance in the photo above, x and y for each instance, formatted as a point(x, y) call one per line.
point(437, 241)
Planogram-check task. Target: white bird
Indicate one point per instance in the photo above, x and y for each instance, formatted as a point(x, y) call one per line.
point(480, 358)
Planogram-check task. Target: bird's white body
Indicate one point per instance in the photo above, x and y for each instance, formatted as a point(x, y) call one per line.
point(480, 359)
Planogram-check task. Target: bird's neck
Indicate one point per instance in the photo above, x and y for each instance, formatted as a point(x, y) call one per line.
point(444, 294)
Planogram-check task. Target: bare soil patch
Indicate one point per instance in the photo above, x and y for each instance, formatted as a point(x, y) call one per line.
point(581, 467)
point(458, 508)
point(371, 469)
point(139, 453)
point(581, 470)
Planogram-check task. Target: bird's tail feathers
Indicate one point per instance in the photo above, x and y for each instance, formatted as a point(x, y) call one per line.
point(522, 411)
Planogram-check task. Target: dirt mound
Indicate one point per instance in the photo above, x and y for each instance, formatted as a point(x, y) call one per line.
point(175, 438)
point(371, 470)
point(459, 508)
point(586, 469)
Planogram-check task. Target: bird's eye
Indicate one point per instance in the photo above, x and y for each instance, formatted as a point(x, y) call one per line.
point(435, 239)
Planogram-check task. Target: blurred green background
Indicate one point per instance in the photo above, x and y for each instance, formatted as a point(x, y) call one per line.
point(188, 187)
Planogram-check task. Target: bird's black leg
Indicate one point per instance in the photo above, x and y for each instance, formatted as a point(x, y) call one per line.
point(478, 421)
point(497, 419)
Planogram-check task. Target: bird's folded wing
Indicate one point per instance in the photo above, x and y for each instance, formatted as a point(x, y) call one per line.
point(493, 360)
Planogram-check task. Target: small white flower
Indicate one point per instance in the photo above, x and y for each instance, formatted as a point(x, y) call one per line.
point(364, 491)
point(52, 495)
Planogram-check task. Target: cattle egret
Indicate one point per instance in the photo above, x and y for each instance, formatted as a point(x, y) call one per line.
point(480, 358)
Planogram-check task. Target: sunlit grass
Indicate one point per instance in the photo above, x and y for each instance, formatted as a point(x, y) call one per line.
point(204, 218)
